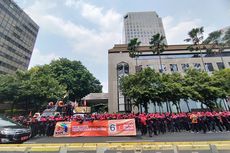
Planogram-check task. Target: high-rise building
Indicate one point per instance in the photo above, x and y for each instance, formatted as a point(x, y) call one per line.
point(142, 25)
point(18, 34)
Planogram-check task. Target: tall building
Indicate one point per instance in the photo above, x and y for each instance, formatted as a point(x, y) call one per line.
point(175, 58)
point(18, 34)
point(142, 25)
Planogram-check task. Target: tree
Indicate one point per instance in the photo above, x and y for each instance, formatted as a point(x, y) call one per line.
point(78, 80)
point(205, 91)
point(141, 87)
point(226, 37)
point(133, 46)
point(157, 45)
point(196, 37)
point(30, 90)
point(216, 42)
point(9, 89)
point(172, 89)
point(221, 79)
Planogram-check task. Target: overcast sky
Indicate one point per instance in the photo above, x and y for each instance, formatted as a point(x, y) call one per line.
point(84, 30)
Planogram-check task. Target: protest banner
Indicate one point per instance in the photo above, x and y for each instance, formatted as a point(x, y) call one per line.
point(122, 127)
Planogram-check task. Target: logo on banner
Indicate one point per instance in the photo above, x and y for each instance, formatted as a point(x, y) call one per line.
point(62, 129)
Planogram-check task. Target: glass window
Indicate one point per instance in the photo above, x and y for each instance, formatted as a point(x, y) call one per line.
point(162, 68)
point(185, 67)
point(121, 107)
point(138, 68)
point(209, 67)
point(220, 65)
point(197, 66)
point(6, 122)
point(173, 68)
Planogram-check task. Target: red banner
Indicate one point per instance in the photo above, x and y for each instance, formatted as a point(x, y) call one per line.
point(123, 127)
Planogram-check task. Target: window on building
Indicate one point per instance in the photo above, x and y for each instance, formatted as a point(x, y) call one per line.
point(220, 65)
point(123, 104)
point(197, 66)
point(229, 63)
point(138, 68)
point(209, 67)
point(185, 67)
point(162, 68)
point(173, 68)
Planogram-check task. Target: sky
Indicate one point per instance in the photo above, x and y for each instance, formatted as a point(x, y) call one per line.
point(85, 30)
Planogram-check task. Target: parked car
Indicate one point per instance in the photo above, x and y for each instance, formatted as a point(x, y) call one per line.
point(12, 132)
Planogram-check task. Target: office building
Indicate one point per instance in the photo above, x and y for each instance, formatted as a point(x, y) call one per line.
point(176, 58)
point(18, 34)
point(142, 25)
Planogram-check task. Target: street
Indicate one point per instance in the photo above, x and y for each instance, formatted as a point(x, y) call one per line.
point(168, 137)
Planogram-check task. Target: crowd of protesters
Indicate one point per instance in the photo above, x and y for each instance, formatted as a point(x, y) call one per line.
point(151, 123)
point(148, 124)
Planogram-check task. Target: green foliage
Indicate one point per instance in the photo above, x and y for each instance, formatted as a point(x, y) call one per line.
point(196, 38)
point(133, 48)
point(78, 80)
point(33, 89)
point(148, 86)
point(221, 79)
point(227, 37)
point(157, 46)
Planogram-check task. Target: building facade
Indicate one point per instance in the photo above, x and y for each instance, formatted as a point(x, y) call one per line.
point(18, 34)
point(142, 25)
point(176, 58)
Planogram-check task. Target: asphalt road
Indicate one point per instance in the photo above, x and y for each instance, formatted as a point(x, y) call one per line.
point(182, 136)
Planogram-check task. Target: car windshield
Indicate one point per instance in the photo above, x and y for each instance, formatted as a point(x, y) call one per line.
point(6, 122)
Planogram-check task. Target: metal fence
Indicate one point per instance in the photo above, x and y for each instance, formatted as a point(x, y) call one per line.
point(131, 147)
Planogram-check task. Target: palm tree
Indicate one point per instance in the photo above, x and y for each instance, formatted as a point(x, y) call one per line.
point(157, 45)
point(214, 39)
point(133, 46)
point(196, 37)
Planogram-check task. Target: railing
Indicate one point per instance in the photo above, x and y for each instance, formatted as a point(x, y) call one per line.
point(122, 147)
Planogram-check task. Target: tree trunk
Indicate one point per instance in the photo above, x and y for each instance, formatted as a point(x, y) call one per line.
point(155, 107)
point(146, 107)
point(136, 64)
point(179, 106)
point(202, 59)
point(225, 106)
point(217, 106)
point(141, 108)
point(188, 106)
point(159, 107)
point(161, 70)
point(162, 109)
point(170, 107)
point(167, 106)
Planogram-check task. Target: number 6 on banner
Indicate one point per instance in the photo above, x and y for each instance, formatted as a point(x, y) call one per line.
point(112, 128)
